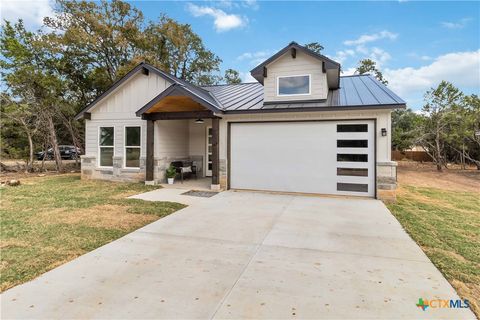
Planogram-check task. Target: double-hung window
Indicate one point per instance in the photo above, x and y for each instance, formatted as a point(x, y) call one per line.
point(132, 147)
point(293, 85)
point(106, 143)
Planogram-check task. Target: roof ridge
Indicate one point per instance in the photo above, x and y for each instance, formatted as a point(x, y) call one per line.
point(230, 84)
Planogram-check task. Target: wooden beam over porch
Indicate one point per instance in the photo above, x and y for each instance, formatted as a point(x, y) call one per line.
point(179, 115)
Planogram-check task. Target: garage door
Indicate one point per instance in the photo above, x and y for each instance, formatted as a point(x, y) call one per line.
point(325, 157)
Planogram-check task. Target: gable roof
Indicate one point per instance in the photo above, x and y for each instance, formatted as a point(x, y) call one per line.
point(192, 89)
point(257, 72)
point(355, 92)
point(177, 89)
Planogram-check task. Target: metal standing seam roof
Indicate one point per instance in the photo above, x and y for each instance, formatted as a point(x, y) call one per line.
point(355, 91)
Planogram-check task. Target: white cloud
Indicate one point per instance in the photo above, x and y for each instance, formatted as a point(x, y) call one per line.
point(250, 4)
point(456, 24)
point(366, 38)
point(222, 20)
point(379, 55)
point(257, 57)
point(419, 57)
point(460, 68)
point(348, 71)
point(342, 55)
point(31, 12)
point(247, 77)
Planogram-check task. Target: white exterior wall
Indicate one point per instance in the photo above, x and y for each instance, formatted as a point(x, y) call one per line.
point(383, 121)
point(171, 139)
point(129, 97)
point(303, 64)
point(92, 135)
point(118, 109)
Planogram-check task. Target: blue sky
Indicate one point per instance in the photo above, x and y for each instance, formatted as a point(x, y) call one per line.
point(416, 44)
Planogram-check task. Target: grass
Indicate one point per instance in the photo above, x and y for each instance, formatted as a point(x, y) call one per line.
point(48, 221)
point(446, 225)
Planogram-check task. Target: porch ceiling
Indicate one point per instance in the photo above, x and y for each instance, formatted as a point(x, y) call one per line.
point(176, 104)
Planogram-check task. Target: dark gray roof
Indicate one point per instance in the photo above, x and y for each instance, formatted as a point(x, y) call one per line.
point(358, 91)
point(355, 92)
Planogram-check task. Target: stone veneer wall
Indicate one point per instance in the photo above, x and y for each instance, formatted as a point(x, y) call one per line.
point(116, 173)
point(386, 180)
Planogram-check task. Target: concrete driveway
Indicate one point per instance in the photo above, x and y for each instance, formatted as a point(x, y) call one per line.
point(247, 255)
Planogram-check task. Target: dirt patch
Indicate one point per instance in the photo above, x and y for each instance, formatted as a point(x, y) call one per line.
point(426, 175)
point(103, 216)
point(12, 243)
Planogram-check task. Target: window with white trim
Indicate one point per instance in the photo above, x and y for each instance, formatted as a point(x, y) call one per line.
point(293, 85)
point(105, 145)
point(132, 147)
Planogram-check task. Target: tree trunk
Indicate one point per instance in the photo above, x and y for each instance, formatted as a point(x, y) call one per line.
point(30, 145)
point(438, 148)
point(54, 142)
point(29, 167)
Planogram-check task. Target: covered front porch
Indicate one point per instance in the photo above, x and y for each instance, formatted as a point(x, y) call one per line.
point(181, 127)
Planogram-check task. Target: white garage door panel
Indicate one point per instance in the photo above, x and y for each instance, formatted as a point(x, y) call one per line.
point(295, 157)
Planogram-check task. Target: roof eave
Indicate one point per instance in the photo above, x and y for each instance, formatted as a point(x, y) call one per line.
point(316, 109)
point(179, 89)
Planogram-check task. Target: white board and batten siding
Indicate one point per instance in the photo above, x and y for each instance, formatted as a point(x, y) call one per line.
point(118, 110)
point(303, 64)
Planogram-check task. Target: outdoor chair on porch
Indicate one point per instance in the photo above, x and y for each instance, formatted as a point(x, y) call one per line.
point(185, 169)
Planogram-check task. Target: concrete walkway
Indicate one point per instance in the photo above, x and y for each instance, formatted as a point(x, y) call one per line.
point(247, 255)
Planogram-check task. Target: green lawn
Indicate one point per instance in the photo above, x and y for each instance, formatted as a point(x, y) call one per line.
point(50, 220)
point(446, 224)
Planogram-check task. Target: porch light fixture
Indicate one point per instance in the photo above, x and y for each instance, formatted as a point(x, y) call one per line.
point(384, 132)
point(199, 121)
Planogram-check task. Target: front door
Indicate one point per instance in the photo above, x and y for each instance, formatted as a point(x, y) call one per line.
point(208, 155)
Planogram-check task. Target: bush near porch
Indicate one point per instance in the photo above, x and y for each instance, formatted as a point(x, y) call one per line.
point(47, 221)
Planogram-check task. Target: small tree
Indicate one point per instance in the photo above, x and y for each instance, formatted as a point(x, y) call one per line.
point(232, 76)
point(20, 114)
point(441, 102)
point(370, 66)
point(315, 47)
point(405, 124)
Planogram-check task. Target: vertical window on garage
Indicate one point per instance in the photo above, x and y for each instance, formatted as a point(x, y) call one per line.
point(352, 127)
point(132, 147)
point(106, 144)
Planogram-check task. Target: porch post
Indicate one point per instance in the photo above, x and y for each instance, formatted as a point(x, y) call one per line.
point(149, 159)
point(215, 154)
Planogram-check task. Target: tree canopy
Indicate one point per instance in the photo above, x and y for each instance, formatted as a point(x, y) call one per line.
point(370, 66)
point(315, 47)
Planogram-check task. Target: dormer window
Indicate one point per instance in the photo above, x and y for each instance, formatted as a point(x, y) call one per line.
point(293, 85)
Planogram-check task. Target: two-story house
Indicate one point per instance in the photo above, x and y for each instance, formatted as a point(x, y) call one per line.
point(301, 128)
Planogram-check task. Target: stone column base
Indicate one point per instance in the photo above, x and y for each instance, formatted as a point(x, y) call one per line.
point(386, 181)
point(215, 187)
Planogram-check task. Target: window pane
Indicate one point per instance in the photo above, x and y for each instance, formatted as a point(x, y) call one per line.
point(106, 156)
point(132, 136)
point(352, 143)
point(106, 136)
point(293, 85)
point(132, 157)
point(354, 172)
point(352, 127)
point(352, 157)
point(356, 187)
